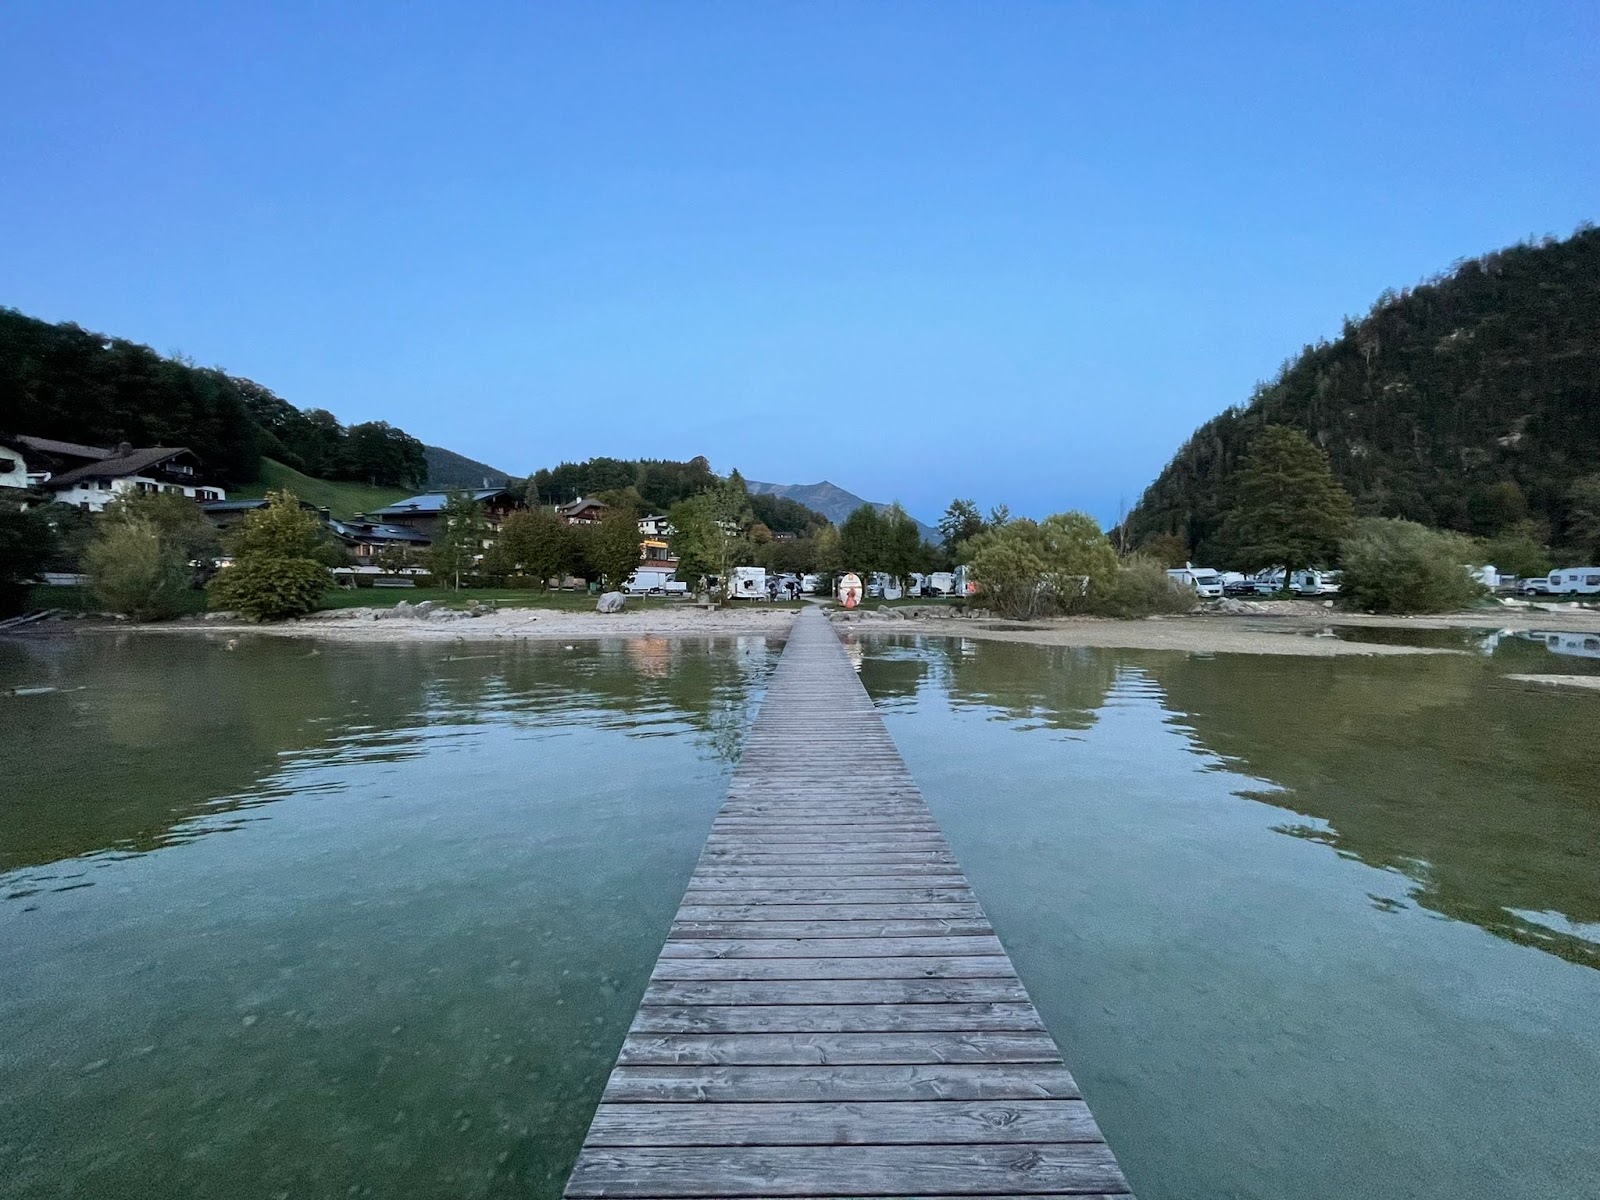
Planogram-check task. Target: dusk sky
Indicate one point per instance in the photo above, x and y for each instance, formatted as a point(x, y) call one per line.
point(1007, 250)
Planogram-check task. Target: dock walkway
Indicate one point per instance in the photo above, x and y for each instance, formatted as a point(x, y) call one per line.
point(832, 1015)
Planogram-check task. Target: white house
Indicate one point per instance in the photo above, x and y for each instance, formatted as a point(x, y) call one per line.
point(13, 464)
point(655, 526)
point(100, 476)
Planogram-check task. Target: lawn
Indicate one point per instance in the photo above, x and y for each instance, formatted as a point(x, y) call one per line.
point(341, 498)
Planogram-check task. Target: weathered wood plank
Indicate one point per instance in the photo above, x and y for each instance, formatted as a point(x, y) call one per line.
point(923, 947)
point(838, 1018)
point(885, 1123)
point(750, 897)
point(762, 1084)
point(973, 967)
point(835, 991)
point(835, 1049)
point(864, 1171)
point(948, 927)
point(915, 911)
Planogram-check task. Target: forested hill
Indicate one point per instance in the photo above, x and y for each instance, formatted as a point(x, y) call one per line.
point(1471, 402)
point(65, 382)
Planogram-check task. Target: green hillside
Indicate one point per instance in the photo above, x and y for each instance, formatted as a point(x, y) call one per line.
point(1471, 402)
point(342, 499)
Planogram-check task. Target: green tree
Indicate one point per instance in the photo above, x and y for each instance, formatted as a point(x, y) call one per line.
point(275, 572)
point(863, 541)
point(901, 543)
point(960, 524)
point(463, 534)
point(136, 571)
point(1288, 509)
point(1392, 565)
point(1168, 549)
point(708, 530)
point(537, 543)
point(1516, 551)
point(612, 552)
point(1583, 516)
point(1026, 569)
point(27, 544)
point(179, 522)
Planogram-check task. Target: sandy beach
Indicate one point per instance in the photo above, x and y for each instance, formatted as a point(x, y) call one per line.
point(1294, 629)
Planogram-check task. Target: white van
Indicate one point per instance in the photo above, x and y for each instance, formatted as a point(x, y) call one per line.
point(939, 583)
point(1574, 581)
point(1206, 582)
point(748, 583)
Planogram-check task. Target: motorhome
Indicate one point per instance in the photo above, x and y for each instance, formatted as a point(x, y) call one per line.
point(1574, 581)
point(812, 585)
point(647, 581)
point(1315, 583)
point(939, 583)
point(748, 583)
point(1206, 582)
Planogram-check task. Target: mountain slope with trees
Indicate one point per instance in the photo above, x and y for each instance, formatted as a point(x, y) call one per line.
point(1469, 403)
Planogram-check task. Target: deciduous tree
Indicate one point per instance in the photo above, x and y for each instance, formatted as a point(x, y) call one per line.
point(462, 534)
point(275, 572)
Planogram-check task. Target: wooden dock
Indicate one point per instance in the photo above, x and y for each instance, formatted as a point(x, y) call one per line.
point(832, 1015)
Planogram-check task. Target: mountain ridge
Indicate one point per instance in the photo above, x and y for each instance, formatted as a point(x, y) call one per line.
point(831, 500)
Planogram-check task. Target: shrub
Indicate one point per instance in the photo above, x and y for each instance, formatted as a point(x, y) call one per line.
point(1058, 565)
point(1392, 565)
point(276, 572)
point(1142, 588)
point(134, 570)
point(271, 589)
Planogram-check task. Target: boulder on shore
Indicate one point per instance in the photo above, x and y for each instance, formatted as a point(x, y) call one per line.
point(611, 602)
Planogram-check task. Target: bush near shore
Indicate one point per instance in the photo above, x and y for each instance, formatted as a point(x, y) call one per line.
point(1395, 566)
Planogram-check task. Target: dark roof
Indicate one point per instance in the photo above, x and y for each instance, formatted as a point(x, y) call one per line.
point(372, 531)
point(432, 502)
point(228, 506)
point(578, 506)
point(121, 465)
point(65, 449)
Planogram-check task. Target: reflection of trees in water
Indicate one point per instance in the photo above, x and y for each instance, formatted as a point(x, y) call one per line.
point(1479, 794)
point(146, 733)
point(1059, 686)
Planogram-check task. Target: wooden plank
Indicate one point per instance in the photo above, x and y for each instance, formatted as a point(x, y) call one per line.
point(834, 1049)
point(838, 1018)
point(923, 910)
point(684, 1084)
point(973, 967)
point(886, 1123)
point(863, 1171)
point(835, 991)
point(807, 896)
point(922, 947)
point(726, 930)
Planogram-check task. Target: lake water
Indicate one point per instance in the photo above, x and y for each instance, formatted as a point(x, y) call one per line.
point(288, 920)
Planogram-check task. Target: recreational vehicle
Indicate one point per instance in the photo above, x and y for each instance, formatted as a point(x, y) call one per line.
point(1206, 582)
point(748, 583)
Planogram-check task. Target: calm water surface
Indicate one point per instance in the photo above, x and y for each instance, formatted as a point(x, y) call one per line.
point(1306, 928)
point(281, 920)
point(286, 920)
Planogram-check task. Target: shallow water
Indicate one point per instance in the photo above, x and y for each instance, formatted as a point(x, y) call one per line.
point(1306, 928)
point(288, 920)
point(281, 919)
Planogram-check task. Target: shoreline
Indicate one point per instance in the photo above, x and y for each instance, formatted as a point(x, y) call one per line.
point(1307, 630)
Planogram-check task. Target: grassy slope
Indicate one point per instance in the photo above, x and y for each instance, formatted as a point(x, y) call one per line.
point(342, 499)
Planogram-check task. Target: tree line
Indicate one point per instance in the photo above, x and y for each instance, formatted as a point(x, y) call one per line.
point(1470, 403)
point(64, 382)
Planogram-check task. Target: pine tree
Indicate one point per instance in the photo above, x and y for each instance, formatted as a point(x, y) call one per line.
point(1287, 508)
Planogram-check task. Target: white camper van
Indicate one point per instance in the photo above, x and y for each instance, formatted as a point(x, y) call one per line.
point(1574, 581)
point(1206, 582)
point(748, 583)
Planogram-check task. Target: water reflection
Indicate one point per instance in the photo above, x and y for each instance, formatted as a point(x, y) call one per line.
point(407, 968)
point(1397, 997)
point(132, 743)
point(1477, 792)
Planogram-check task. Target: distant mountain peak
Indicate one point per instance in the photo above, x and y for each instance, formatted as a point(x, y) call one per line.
point(829, 499)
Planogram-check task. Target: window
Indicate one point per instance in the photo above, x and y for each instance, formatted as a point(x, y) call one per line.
point(1591, 580)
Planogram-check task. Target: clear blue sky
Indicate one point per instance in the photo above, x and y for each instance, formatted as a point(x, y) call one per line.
point(1009, 250)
